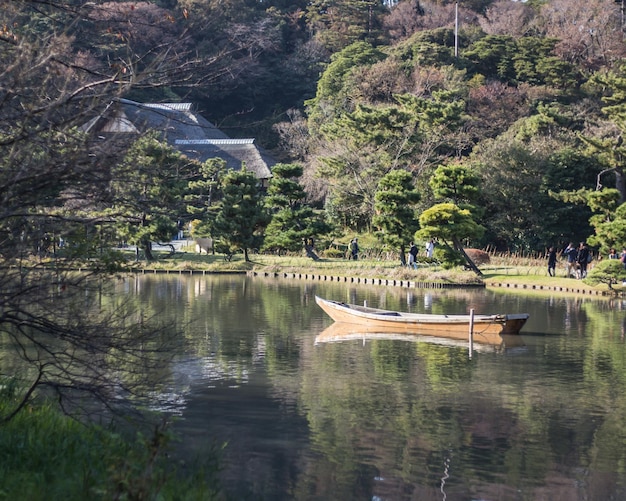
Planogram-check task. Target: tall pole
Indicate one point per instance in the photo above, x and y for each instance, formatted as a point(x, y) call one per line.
point(456, 27)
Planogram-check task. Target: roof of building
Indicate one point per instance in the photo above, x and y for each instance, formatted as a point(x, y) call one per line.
point(184, 129)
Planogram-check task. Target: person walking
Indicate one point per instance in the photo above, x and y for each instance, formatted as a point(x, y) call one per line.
point(413, 251)
point(354, 249)
point(613, 254)
point(571, 255)
point(430, 248)
point(552, 261)
point(583, 259)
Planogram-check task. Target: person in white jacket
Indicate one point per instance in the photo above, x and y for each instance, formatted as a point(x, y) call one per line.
point(430, 248)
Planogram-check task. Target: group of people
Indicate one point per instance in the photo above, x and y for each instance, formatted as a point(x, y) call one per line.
point(622, 257)
point(577, 259)
point(413, 252)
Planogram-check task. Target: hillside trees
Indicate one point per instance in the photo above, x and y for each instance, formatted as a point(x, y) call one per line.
point(608, 220)
point(527, 59)
point(272, 63)
point(337, 24)
point(610, 146)
point(410, 16)
point(508, 18)
point(519, 170)
point(365, 145)
point(524, 95)
point(336, 85)
point(589, 33)
point(606, 198)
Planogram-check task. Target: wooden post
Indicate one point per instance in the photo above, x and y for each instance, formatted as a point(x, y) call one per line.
point(471, 333)
point(456, 30)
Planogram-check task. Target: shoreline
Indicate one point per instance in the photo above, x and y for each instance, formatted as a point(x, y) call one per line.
point(389, 282)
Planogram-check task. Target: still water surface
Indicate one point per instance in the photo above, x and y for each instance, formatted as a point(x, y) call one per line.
point(395, 420)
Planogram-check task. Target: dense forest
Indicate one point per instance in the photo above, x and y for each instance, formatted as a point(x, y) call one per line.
point(510, 111)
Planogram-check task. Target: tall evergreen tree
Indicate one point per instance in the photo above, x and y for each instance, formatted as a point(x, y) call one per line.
point(455, 182)
point(458, 184)
point(204, 191)
point(148, 189)
point(450, 224)
point(239, 217)
point(395, 218)
point(293, 223)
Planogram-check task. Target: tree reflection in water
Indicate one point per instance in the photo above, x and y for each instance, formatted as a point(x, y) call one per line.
point(393, 419)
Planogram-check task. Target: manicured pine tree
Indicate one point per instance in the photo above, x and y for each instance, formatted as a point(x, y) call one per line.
point(450, 224)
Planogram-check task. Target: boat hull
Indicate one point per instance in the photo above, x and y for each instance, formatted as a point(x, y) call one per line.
point(452, 326)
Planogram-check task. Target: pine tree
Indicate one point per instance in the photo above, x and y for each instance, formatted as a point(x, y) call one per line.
point(395, 210)
point(293, 223)
point(239, 216)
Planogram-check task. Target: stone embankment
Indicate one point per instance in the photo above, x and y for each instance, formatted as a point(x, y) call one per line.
point(433, 285)
point(550, 288)
point(358, 280)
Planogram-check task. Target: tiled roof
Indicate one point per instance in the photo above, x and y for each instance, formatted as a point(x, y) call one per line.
point(234, 152)
point(185, 130)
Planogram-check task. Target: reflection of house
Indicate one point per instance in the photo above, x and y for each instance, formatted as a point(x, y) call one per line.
point(183, 129)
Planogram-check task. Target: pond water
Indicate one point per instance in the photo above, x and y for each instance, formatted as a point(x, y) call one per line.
point(388, 419)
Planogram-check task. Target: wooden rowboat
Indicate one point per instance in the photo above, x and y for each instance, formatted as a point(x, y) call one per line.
point(450, 326)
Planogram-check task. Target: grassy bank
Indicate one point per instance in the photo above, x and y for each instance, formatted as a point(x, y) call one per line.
point(500, 270)
point(45, 455)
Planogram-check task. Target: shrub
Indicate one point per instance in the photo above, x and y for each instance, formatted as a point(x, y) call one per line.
point(478, 256)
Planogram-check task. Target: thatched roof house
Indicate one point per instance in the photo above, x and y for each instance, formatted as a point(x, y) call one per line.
point(184, 129)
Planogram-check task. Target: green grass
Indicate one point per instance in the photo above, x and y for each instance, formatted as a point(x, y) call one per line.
point(504, 269)
point(266, 263)
point(45, 455)
point(500, 269)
